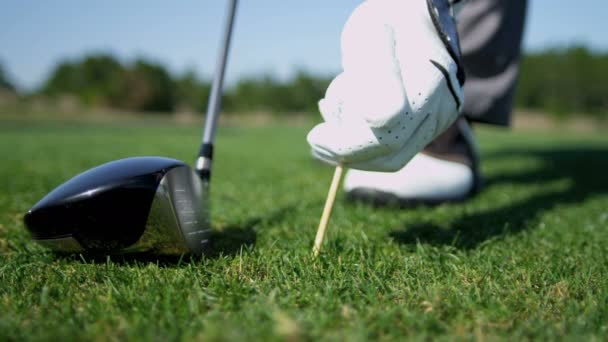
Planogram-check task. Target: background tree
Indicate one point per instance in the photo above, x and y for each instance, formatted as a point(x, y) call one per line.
point(97, 80)
point(5, 83)
point(191, 92)
point(565, 81)
point(149, 88)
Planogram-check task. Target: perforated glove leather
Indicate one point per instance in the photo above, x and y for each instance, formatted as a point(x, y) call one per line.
point(400, 87)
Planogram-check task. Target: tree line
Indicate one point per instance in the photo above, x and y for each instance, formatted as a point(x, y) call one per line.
point(143, 85)
point(565, 81)
point(5, 82)
point(556, 81)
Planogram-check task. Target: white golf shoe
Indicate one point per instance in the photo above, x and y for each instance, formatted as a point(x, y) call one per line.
point(446, 171)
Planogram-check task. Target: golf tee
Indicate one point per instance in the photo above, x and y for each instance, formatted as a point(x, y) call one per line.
point(329, 205)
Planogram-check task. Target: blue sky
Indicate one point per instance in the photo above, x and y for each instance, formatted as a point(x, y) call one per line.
point(272, 36)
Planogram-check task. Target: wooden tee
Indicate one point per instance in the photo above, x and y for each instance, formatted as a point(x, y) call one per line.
point(329, 204)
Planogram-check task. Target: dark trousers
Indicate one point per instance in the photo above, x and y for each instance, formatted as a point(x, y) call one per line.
point(491, 34)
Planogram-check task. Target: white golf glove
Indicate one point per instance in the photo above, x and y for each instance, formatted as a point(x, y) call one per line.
point(401, 85)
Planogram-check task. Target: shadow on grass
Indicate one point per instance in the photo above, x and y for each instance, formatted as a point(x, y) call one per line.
point(228, 241)
point(582, 168)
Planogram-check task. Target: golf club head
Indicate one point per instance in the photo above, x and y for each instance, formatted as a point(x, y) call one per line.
point(133, 205)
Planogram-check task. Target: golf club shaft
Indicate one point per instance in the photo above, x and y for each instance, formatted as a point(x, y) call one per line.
point(203, 163)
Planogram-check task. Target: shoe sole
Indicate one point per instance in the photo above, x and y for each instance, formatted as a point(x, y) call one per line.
point(377, 198)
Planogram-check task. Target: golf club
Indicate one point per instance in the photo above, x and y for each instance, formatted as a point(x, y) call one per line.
point(139, 204)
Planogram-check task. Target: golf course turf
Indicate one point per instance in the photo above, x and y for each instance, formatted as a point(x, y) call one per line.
point(525, 259)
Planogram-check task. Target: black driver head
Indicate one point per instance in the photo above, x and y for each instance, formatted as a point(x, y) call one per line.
point(140, 204)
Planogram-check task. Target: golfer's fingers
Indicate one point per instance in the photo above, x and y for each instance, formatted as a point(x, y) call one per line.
point(345, 143)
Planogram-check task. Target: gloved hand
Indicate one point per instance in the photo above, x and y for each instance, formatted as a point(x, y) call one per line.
point(401, 85)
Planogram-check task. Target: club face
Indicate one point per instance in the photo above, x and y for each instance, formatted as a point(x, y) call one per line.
point(129, 205)
point(178, 222)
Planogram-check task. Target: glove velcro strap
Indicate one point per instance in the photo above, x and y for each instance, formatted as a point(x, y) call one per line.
point(457, 6)
point(440, 12)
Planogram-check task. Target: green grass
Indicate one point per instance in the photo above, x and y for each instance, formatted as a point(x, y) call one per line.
point(526, 259)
